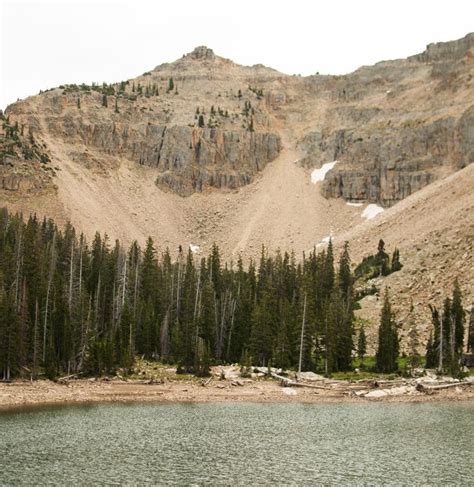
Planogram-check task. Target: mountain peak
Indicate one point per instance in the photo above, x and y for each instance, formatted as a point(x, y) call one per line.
point(202, 52)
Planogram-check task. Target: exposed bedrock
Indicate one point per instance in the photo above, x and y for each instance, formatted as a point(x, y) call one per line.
point(387, 164)
point(189, 159)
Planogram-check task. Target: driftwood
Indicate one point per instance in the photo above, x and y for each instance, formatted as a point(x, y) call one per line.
point(290, 383)
point(428, 389)
point(66, 378)
point(146, 382)
point(204, 383)
point(284, 381)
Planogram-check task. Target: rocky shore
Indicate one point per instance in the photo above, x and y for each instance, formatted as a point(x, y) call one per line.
point(19, 394)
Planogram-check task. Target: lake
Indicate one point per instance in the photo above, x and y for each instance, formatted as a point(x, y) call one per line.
point(240, 444)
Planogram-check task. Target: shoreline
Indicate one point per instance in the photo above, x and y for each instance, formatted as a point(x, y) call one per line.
point(20, 395)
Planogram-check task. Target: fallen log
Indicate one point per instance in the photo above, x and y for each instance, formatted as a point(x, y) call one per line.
point(66, 378)
point(427, 388)
point(289, 383)
point(285, 382)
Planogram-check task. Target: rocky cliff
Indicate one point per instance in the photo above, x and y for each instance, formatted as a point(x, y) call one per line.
point(397, 126)
point(205, 122)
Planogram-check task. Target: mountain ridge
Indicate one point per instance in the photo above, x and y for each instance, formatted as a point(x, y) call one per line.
point(204, 150)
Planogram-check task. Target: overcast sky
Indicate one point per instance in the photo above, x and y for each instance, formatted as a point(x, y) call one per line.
point(48, 43)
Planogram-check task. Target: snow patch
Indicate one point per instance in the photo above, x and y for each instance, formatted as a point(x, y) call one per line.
point(195, 249)
point(371, 211)
point(354, 204)
point(319, 174)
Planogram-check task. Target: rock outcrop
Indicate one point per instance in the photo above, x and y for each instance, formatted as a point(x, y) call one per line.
point(388, 164)
point(397, 126)
point(205, 122)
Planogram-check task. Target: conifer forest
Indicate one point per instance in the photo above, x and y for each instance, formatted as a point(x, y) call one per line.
point(72, 306)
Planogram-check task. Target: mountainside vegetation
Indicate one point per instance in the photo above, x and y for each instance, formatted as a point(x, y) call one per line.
point(68, 306)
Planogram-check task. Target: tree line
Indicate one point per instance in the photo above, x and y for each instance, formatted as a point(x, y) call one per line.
point(69, 306)
point(445, 346)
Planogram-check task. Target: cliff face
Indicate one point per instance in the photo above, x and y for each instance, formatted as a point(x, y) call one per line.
point(204, 122)
point(388, 164)
point(188, 158)
point(397, 126)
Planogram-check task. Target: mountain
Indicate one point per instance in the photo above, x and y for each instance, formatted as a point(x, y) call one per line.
point(204, 150)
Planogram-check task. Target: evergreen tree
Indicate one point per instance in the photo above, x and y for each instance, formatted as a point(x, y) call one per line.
point(457, 317)
point(68, 306)
point(431, 355)
point(387, 351)
point(104, 100)
point(382, 259)
point(470, 337)
point(396, 264)
point(414, 341)
point(361, 345)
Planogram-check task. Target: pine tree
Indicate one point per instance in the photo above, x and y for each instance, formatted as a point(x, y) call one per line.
point(104, 100)
point(361, 345)
point(78, 102)
point(382, 259)
point(458, 317)
point(387, 352)
point(170, 85)
point(414, 358)
point(431, 355)
point(201, 122)
point(470, 337)
point(396, 264)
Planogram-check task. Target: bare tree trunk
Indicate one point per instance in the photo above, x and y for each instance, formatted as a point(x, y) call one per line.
point(216, 321)
point(135, 292)
point(233, 307)
point(452, 342)
point(84, 337)
point(124, 282)
point(164, 336)
point(223, 317)
point(441, 344)
point(302, 336)
point(196, 300)
point(97, 295)
point(71, 276)
point(19, 259)
point(35, 340)
point(80, 268)
point(178, 285)
point(52, 268)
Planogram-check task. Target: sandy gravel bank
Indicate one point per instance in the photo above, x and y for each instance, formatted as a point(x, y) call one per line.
point(17, 394)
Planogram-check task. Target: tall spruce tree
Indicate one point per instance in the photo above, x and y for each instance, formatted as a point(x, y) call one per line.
point(388, 346)
point(470, 335)
point(361, 345)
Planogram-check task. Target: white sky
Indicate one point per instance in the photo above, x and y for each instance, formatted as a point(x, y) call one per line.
point(47, 43)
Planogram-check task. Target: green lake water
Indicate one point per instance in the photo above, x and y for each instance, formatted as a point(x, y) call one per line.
point(239, 444)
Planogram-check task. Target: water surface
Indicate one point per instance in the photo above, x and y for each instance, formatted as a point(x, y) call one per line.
point(240, 444)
